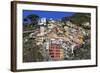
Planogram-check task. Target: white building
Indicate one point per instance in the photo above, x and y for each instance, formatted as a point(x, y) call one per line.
point(42, 21)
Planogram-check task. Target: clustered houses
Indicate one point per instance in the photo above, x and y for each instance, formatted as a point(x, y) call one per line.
point(57, 42)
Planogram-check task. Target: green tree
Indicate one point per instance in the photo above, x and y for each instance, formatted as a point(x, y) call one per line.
point(80, 18)
point(33, 18)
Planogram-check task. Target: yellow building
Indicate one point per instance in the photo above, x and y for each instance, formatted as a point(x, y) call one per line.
point(61, 54)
